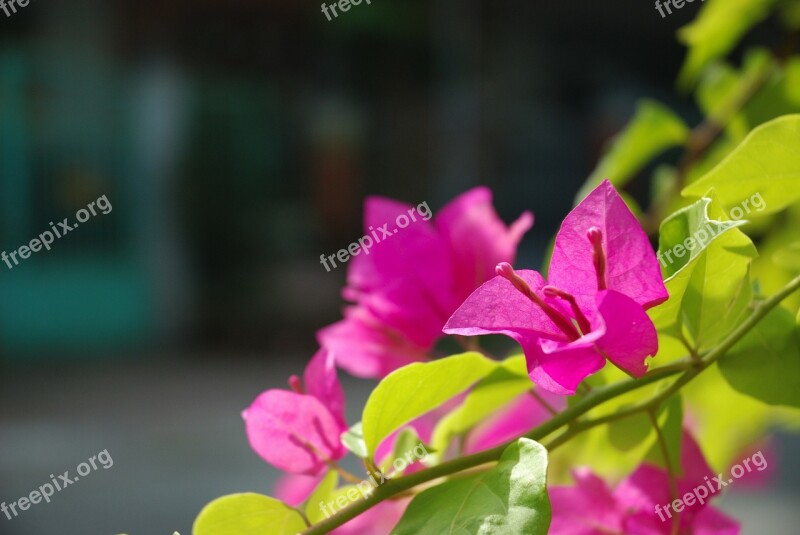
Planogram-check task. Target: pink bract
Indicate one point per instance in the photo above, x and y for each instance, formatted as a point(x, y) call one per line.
point(298, 431)
point(410, 283)
point(603, 276)
point(590, 507)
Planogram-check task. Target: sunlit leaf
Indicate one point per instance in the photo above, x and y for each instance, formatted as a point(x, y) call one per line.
point(416, 389)
point(353, 440)
point(705, 260)
point(321, 493)
point(488, 396)
point(509, 498)
point(248, 514)
point(765, 165)
point(716, 30)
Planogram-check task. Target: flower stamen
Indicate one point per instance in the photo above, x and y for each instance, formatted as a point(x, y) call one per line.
point(505, 270)
point(583, 323)
point(595, 236)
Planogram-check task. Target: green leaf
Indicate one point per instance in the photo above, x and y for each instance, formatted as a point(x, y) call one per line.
point(715, 31)
point(406, 443)
point(628, 433)
point(722, 89)
point(487, 397)
point(509, 498)
point(778, 96)
point(654, 129)
point(765, 164)
point(248, 514)
point(416, 389)
point(788, 257)
point(353, 440)
point(323, 491)
point(765, 364)
point(706, 262)
point(686, 234)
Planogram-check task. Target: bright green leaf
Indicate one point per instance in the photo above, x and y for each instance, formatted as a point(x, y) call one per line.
point(706, 262)
point(325, 488)
point(353, 440)
point(248, 514)
point(765, 364)
point(509, 498)
point(654, 129)
point(487, 397)
point(766, 163)
point(715, 31)
point(416, 389)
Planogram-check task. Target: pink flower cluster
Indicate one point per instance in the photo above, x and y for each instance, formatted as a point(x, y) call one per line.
point(453, 275)
point(404, 292)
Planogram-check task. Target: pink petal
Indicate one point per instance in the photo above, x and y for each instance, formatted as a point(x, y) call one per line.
point(588, 508)
point(295, 489)
point(279, 424)
point(415, 255)
point(645, 488)
point(632, 268)
point(499, 308)
point(365, 347)
point(477, 238)
point(630, 336)
point(407, 309)
point(321, 381)
point(560, 367)
point(711, 521)
point(694, 466)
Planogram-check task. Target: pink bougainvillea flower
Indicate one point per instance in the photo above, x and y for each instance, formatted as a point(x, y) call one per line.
point(298, 431)
point(603, 276)
point(405, 287)
point(637, 505)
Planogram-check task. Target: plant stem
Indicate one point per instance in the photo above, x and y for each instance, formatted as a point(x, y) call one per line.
point(596, 397)
point(673, 485)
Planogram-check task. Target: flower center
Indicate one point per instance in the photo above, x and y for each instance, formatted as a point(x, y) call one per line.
point(583, 323)
point(595, 236)
point(505, 270)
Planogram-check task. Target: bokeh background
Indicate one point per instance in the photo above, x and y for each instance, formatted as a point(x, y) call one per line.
point(236, 142)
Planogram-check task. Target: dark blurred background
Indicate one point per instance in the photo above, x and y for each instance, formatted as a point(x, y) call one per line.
point(236, 141)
